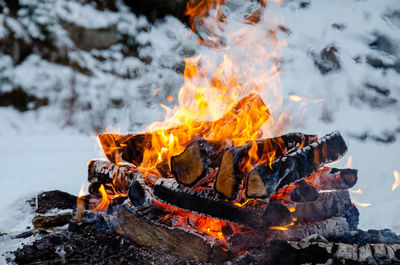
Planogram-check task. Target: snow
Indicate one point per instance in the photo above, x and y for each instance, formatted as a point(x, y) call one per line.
point(49, 148)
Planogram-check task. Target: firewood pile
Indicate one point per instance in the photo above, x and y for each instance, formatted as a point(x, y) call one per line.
point(214, 199)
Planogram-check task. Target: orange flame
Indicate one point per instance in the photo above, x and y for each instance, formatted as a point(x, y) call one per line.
point(396, 182)
point(360, 204)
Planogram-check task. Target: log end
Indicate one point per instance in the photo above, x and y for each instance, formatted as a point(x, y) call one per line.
point(304, 193)
point(255, 186)
point(188, 167)
point(226, 182)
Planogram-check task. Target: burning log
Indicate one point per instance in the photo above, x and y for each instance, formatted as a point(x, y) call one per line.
point(230, 174)
point(195, 162)
point(329, 204)
point(103, 172)
point(266, 180)
point(208, 202)
point(333, 179)
point(200, 157)
point(304, 192)
point(147, 232)
point(131, 148)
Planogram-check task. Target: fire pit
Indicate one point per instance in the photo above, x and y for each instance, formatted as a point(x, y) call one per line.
point(213, 199)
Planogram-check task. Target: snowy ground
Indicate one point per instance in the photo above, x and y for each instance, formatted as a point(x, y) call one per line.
point(39, 153)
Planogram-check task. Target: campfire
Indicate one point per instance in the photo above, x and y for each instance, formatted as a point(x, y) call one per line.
point(210, 182)
point(209, 198)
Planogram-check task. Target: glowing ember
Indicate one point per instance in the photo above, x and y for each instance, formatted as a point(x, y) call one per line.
point(396, 182)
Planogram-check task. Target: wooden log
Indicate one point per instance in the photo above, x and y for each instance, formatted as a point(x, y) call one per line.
point(230, 174)
point(195, 161)
point(201, 156)
point(131, 148)
point(333, 179)
point(329, 204)
point(208, 202)
point(266, 180)
point(318, 250)
point(104, 172)
point(335, 226)
point(48, 221)
point(179, 241)
point(303, 192)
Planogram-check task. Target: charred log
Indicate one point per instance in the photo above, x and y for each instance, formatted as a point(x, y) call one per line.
point(329, 204)
point(208, 202)
point(333, 179)
point(304, 192)
point(195, 162)
point(104, 172)
point(145, 232)
point(202, 157)
point(130, 148)
point(266, 180)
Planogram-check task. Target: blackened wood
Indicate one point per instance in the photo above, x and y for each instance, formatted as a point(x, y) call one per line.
point(318, 250)
point(266, 180)
point(105, 172)
point(195, 161)
point(130, 148)
point(42, 221)
point(136, 193)
point(201, 156)
point(178, 241)
point(208, 202)
point(304, 192)
point(333, 179)
point(329, 204)
point(335, 226)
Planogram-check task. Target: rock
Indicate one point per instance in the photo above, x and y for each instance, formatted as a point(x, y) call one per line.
point(327, 61)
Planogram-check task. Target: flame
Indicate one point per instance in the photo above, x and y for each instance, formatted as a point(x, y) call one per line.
point(361, 204)
point(295, 98)
point(359, 191)
point(396, 182)
point(349, 163)
point(106, 198)
point(82, 191)
point(282, 228)
point(208, 225)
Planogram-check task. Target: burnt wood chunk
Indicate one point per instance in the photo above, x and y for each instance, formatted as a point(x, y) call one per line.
point(333, 179)
point(195, 161)
point(179, 241)
point(210, 203)
point(294, 166)
point(45, 221)
point(304, 192)
point(329, 204)
point(104, 172)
